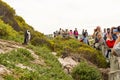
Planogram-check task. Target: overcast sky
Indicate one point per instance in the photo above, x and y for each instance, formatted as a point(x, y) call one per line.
point(47, 16)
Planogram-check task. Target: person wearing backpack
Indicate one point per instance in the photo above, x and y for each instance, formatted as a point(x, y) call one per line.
point(115, 56)
point(116, 48)
point(85, 38)
point(97, 36)
point(76, 33)
point(86, 33)
point(111, 38)
point(104, 34)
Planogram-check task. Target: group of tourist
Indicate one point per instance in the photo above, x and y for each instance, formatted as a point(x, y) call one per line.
point(73, 34)
point(107, 41)
point(66, 33)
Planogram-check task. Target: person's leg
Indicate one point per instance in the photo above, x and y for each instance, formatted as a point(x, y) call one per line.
point(88, 42)
point(107, 55)
point(76, 37)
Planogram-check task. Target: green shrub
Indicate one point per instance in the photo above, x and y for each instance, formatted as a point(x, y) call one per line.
point(85, 72)
point(42, 41)
point(61, 44)
point(53, 70)
point(9, 77)
point(21, 55)
point(50, 69)
point(93, 56)
point(7, 32)
point(22, 24)
point(72, 46)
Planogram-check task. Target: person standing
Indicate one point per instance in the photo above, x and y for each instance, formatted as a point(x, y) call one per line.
point(115, 56)
point(86, 33)
point(71, 33)
point(76, 33)
point(85, 39)
point(97, 37)
point(104, 34)
point(60, 32)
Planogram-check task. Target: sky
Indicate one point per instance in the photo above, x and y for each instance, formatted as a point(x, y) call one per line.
point(48, 16)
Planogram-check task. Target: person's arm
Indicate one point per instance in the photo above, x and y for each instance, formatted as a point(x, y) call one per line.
point(109, 36)
point(93, 36)
point(116, 42)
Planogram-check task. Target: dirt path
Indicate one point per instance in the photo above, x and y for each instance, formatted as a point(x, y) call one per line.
point(7, 46)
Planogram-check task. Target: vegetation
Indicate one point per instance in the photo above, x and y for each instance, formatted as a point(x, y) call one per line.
point(49, 70)
point(12, 27)
point(8, 16)
point(7, 32)
point(85, 72)
point(40, 41)
point(22, 24)
point(72, 46)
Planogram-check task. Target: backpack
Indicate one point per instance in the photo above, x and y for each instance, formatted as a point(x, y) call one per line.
point(75, 32)
point(96, 39)
point(105, 37)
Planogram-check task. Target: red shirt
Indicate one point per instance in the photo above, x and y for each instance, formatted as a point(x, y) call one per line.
point(110, 43)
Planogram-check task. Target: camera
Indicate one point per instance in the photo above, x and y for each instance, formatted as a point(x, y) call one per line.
point(118, 28)
point(115, 30)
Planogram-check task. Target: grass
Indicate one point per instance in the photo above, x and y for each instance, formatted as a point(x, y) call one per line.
point(74, 47)
point(84, 71)
point(52, 70)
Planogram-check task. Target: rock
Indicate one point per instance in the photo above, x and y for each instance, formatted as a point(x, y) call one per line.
point(4, 70)
point(68, 63)
point(105, 73)
point(54, 53)
point(1, 78)
point(114, 75)
point(24, 67)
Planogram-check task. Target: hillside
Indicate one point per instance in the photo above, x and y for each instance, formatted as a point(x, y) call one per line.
point(9, 20)
point(19, 62)
point(43, 58)
point(9, 16)
point(23, 62)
